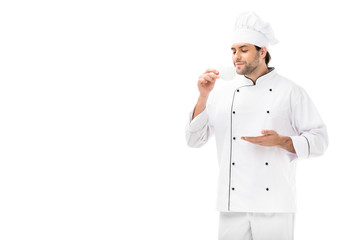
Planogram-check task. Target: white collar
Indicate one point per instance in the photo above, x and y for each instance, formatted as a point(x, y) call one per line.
point(262, 78)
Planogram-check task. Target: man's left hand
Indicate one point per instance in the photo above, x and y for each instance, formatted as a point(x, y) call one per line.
point(272, 138)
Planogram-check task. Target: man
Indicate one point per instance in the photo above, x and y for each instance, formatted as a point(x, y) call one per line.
point(263, 123)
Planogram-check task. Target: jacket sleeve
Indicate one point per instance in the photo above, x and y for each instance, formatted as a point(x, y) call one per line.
point(312, 138)
point(198, 130)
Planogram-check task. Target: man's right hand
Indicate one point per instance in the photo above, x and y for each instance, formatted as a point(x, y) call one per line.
point(205, 85)
point(207, 81)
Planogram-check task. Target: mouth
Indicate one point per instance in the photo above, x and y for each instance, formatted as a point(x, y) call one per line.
point(239, 64)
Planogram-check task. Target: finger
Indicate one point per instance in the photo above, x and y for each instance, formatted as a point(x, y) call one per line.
point(209, 78)
point(268, 132)
point(204, 81)
point(214, 76)
point(258, 142)
point(209, 70)
point(253, 139)
point(209, 75)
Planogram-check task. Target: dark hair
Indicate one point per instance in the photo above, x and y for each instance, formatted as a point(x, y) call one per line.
point(267, 57)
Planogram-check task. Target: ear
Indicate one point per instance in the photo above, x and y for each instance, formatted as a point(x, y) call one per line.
point(263, 52)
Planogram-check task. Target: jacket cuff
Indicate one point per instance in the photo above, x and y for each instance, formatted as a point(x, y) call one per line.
point(301, 146)
point(198, 122)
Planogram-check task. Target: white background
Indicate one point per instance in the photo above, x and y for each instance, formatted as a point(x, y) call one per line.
point(94, 97)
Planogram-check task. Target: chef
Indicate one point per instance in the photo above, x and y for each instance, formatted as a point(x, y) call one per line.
point(263, 125)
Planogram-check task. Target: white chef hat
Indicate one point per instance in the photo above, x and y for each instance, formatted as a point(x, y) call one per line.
point(250, 28)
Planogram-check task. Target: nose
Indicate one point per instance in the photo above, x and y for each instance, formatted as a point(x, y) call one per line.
point(237, 56)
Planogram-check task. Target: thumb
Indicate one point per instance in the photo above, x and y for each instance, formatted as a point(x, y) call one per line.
point(268, 132)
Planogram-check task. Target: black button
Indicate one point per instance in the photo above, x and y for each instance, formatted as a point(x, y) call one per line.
point(234, 138)
point(238, 90)
point(268, 111)
point(233, 112)
point(233, 188)
point(267, 189)
point(233, 163)
point(270, 89)
point(266, 163)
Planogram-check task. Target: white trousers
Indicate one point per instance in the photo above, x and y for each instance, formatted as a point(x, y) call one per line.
point(256, 226)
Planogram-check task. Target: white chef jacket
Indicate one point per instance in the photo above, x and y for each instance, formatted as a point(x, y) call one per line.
point(254, 178)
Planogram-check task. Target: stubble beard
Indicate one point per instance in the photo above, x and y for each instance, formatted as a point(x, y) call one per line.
point(250, 67)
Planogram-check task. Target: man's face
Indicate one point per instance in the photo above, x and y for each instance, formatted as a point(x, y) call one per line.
point(245, 58)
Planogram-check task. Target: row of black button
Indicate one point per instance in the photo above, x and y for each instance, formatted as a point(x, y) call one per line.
point(266, 112)
point(267, 164)
point(238, 90)
point(267, 189)
point(234, 138)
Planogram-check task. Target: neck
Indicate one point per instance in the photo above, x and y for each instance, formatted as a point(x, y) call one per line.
point(258, 72)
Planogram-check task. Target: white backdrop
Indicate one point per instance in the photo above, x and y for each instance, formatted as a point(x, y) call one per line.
point(94, 97)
